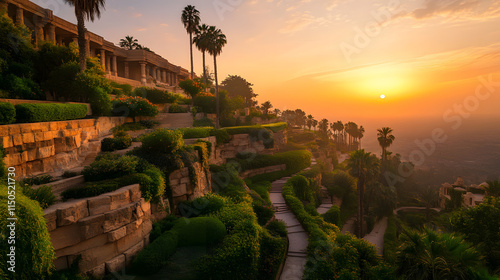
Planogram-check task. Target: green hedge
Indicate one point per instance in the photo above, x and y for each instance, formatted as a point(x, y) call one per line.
point(156, 255)
point(34, 255)
point(333, 216)
point(203, 122)
point(154, 95)
point(176, 108)
point(110, 167)
point(7, 113)
point(295, 160)
point(46, 112)
point(117, 143)
point(196, 132)
point(163, 141)
point(200, 231)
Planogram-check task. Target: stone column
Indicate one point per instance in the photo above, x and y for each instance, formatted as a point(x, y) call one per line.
point(115, 66)
point(171, 79)
point(153, 73)
point(127, 70)
point(60, 41)
point(164, 76)
point(143, 73)
point(52, 34)
point(108, 64)
point(20, 16)
point(39, 34)
point(103, 59)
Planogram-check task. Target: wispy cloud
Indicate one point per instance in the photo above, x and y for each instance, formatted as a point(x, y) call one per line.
point(137, 15)
point(300, 21)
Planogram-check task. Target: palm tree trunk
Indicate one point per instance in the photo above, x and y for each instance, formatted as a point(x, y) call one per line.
point(217, 105)
point(361, 193)
point(191, 51)
point(82, 43)
point(204, 69)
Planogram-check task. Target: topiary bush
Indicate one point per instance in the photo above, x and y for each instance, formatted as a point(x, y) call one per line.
point(272, 254)
point(200, 231)
point(176, 108)
point(277, 227)
point(333, 216)
point(34, 253)
point(7, 113)
point(156, 255)
point(204, 122)
point(109, 168)
point(134, 106)
point(154, 95)
point(46, 112)
point(195, 132)
point(163, 141)
point(120, 141)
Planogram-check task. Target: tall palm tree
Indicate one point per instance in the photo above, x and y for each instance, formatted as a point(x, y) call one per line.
point(310, 119)
point(85, 10)
point(385, 139)
point(493, 188)
point(129, 43)
point(361, 134)
point(266, 106)
point(200, 40)
point(191, 19)
point(277, 111)
point(364, 166)
point(216, 41)
point(314, 124)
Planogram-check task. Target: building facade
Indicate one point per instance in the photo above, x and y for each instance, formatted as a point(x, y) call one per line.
point(471, 195)
point(134, 67)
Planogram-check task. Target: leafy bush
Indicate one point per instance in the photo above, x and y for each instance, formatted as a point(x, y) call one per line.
point(196, 132)
point(200, 231)
point(38, 180)
point(203, 123)
point(100, 101)
point(44, 112)
point(206, 103)
point(192, 87)
point(221, 135)
point(133, 107)
point(277, 227)
point(333, 216)
point(43, 194)
point(7, 113)
point(209, 203)
point(69, 174)
point(153, 186)
point(106, 168)
point(163, 141)
point(272, 254)
point(123, 88)
point(156, 255)
point(176, 108)
point(162, 226)
point(121, 141)
point(154, 95)
point(300, 186)
point(34, 253)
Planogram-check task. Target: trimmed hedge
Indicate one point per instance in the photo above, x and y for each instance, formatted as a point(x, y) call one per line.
point(154, 95)
point(333, 216)
point(46, 112)
point(295, 160)
point(110, 167)
point(196, 132)
point(176, 108)
point(200, 231)
point(156, 255)
point(117, 143)
point(163, 141)
point(34, 253)
point(7, 113)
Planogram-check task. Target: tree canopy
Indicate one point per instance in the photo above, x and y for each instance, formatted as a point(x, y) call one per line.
point(238, 86)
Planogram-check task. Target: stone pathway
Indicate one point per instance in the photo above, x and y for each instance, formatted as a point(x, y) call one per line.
point(376, 236)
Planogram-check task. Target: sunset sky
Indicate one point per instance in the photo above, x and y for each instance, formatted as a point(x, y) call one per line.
point(331, 58)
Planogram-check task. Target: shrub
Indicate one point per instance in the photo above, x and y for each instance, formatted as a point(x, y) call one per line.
point(272, 254)
point(333, 216)
point(43, 112)
point(209, 203)
point(221, 135)
point(192, 87)
point(277, 227)
point(100, 102)
point(162, 226)
point(196, 132)
point(43, 194)
point(34, 251)
point(154, 95)
point(200, 231)
point(38, 180)
point(203, 123)
point(119, 142)
point(155, 187)
point(124, 88)
point(7, 113)
point(206, 103)
point(176, 108)
point(69, 174)
point(133, 107)
point(163, 141)
point(156, 255)
point(108, 168)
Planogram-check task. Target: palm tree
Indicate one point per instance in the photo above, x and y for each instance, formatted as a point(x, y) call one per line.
point(434, 255)
point(216, 41)
point(200, 40)
point(339, 127)
point(129, 43)
point(364, 166)
point(314, 124)
point(266, 106)
point(89, 10)
point(385, 139)
point(191, 19)
point(310, 120)
point(493, 188)
point(361, 134)
point(277, 111)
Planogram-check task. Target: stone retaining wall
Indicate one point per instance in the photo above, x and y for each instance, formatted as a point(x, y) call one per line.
point(182, 187)
point(263, 170)
point(35, 148)
point(107, 230)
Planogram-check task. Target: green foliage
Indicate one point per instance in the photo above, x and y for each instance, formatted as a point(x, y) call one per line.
point(390, 240)
point(110, 168)
point(34, 251)
point(206, 103)
point(100, 101)
point(203, 123)
point(153, 185)
point(277, 227)
point(300, 186)
point(43, 112)
point(263, 210)
point(238, 86)
point(125, 89)
point(121, 141)
point(204, 205)
point(480, 225)
point(272, 249)
point(162, 226)
point(140, 125)
point(192, 87)
point(7, 113)
point(134, 106)
point(456, 198)
point(38, 180)
point(338, 183)
point(156, 255)
point(199, 231)
point(195, 132)
point(42, 194)
point(295, 161)
point(221, 135)
point(163, 141)
point(69, 174)
point(176, 108)
point(333, 216)
point(49, 57)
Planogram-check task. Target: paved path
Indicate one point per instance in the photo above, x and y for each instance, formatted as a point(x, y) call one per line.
point(376, 236)
point(415, 208)
point(179, 120)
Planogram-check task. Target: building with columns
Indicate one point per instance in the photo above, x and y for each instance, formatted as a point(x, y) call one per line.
point(134, 67)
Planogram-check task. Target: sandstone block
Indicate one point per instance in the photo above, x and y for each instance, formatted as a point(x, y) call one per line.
point(92, 226)
point(61, 263)
point(7, 142)
point(117, 234)
point(116, 264)
point(145, 206)
point(98, 271)
point(45, 152)
point(179, 190)
point(131, 253)
point(185, 180)
point(76, 249)
point(17, 139)
point(119, 198)
point(135, 237)
point(118, 217)
point(50, 215)
point(97, 256)
point(70, 212)
point(99, 204)
point(134, 192)
point(63, 237)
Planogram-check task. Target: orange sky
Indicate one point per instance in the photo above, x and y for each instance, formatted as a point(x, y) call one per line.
point(332, 58)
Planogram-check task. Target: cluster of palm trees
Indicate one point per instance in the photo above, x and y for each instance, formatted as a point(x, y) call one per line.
point(207, 39)
point(130, 43)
